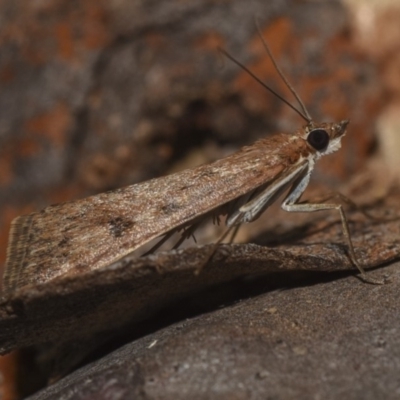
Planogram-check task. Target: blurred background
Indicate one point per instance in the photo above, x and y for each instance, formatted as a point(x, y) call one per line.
point(95, 95)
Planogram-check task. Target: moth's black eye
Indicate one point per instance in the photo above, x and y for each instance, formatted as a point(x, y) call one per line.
point(318, 138)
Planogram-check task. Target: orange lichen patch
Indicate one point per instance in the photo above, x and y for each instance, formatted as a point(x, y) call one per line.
point(64, 193)
point(391, 73)
point(65, 40)
point(7, 74)
point(155, 40)
point(34, 55)
point(280, 39)
point(209, 41)
point(96, 33)
point(336, 104)
point(182, 69)
point(33, 40)
point(256, 96)
point(334, 76)
point(373, 104)
point(359, 140)
point(279, 36)
point(101, 171)
point(310, 85)
point(46, 33)
point(53, 125)
point(6, 169)
point(28, 147)
point(343, 73)
point(8, 370)
point(338, 45)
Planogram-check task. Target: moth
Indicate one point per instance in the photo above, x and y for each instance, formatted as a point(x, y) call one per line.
point(96, 231)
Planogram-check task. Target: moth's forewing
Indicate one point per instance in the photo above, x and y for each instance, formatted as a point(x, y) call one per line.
point(91, 233)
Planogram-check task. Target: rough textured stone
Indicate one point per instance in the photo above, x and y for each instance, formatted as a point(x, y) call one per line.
point(330, 340)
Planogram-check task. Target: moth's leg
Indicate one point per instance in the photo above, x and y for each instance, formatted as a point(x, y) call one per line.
point(185, 235)
point(234, 229)
point(344, 199)
point(234, 233)
point(159, 243)
point(189, 231)
point(293, 206)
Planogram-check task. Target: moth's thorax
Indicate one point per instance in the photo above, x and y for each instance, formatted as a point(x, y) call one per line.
point(282, 148)
point(289, 149)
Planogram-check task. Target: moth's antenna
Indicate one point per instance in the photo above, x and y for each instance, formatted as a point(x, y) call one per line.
point(304, 116)
point(282, 75)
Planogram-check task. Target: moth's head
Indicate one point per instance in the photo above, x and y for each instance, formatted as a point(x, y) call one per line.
point(325, 138)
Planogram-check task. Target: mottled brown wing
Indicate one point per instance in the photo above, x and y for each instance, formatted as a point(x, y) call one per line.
point(91, 233)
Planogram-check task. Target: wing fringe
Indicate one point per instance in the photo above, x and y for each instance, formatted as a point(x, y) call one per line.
point(18, 245)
